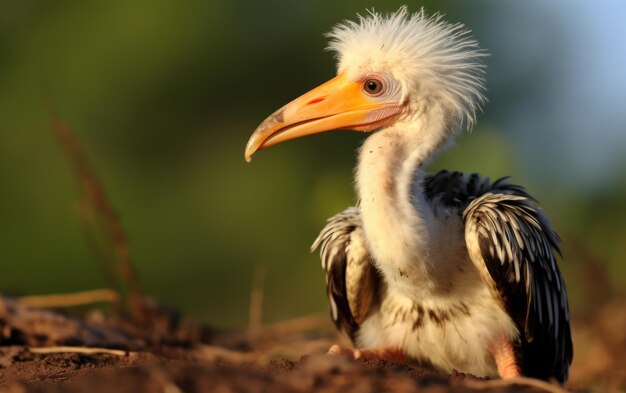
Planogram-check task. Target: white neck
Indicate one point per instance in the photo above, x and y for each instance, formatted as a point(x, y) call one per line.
point(396, 217)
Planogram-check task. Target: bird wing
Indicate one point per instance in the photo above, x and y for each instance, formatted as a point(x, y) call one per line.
point(351, 279)
point(513, 245)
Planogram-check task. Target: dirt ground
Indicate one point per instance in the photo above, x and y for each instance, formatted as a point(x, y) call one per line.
point(53, 352)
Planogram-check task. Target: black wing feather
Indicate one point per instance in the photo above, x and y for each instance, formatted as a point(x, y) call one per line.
point(337, 251)
point(515, 251)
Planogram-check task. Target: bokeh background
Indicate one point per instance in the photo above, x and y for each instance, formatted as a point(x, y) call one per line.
point(164, 95)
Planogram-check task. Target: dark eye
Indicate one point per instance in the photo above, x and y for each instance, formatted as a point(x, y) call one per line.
point(373, 87)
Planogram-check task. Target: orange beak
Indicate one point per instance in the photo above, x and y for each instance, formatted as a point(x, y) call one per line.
point(337, 104)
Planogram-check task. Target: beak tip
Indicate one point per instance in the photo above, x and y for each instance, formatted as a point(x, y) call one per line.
point(250, 150)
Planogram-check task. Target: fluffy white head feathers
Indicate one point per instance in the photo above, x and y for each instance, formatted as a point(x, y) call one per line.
point(432, 60)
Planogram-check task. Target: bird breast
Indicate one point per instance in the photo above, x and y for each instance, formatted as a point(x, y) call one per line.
point(450, 335)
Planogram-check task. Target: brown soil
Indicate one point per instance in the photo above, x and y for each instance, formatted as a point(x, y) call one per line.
point(171, 357)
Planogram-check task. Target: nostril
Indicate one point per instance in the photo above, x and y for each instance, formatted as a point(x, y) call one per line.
point(316, 100)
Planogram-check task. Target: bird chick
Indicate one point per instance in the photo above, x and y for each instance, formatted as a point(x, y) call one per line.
point(450, 268)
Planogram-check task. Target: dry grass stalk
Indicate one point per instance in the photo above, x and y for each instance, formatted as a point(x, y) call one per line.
point(100, 220)
point(308, 323)
point(81, 350)
point(70, 299)
point(256, 300)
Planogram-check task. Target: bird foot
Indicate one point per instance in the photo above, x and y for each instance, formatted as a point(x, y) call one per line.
point(392, 354)
point(504, 355)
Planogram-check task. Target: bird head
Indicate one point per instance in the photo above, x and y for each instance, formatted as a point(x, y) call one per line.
point(391, 69)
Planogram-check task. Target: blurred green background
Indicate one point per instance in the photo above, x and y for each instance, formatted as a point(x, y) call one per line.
point(164, 95)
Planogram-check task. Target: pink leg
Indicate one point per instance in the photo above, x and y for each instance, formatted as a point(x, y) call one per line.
point(502, 351)
point(392, 354)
